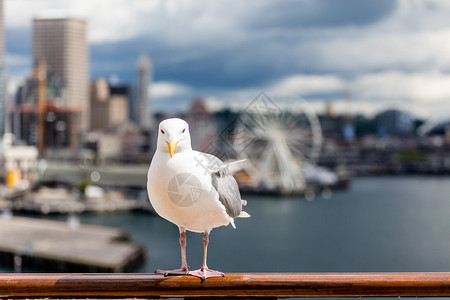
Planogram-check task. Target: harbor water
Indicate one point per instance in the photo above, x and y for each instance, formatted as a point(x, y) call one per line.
point(380, 224)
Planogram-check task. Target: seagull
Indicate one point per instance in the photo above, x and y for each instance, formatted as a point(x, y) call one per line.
point(191, 189)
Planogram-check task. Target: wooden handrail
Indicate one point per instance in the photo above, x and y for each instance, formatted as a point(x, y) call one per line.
point(268, 285)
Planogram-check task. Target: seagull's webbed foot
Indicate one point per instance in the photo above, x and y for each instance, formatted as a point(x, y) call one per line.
point(204, 273)
point(181, 271)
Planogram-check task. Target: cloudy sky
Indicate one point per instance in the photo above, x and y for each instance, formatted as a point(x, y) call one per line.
point(363, 55)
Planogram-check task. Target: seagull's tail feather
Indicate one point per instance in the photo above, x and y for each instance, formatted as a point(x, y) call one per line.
point(225, 166)
point(244, 215)
point(234, 162)
point(232, 223)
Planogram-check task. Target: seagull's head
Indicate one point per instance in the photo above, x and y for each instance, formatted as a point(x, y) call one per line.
point(173, 136)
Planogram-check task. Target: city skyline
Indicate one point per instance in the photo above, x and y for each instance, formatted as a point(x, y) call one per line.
point(377, 55)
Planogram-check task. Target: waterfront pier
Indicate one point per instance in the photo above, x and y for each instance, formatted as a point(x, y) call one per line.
point(48, 246)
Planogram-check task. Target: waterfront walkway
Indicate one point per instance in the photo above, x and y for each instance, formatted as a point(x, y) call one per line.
point(114, 175)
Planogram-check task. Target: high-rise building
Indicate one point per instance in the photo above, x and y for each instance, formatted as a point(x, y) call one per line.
point(142, 103)
point(62, 44)
point(2, 73)
point(118, 105)
point(109, 105)
point(99, 105)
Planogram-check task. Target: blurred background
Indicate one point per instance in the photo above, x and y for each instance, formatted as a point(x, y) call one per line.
point(340, 108)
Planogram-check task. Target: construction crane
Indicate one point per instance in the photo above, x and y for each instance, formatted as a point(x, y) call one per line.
point(40, 73)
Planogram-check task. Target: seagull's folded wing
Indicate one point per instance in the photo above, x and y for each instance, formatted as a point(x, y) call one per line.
point(225, 185)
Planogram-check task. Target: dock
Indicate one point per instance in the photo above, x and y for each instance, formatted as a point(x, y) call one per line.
point(71, 206)
point(60, 200)
point(54, 246)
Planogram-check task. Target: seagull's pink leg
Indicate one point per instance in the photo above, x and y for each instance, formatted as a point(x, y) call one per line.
point(184, 270)
point(204, 272)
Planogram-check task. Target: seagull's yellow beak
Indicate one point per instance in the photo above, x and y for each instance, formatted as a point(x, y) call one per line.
point(172, 146)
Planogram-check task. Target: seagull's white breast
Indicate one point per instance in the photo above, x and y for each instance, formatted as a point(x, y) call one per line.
point(180, 190)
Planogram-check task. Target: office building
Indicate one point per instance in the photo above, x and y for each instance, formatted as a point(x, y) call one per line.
point(62, 44)
point(109, 105)
point(142, 102)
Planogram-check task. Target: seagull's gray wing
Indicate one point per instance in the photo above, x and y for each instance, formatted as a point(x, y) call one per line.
point(225, 185)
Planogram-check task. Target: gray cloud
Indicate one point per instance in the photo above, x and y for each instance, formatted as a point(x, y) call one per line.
point(293, 14)
point(261, 42)
point(217, 48)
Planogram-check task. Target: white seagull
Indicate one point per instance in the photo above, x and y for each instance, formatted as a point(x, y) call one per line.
point(191, 189)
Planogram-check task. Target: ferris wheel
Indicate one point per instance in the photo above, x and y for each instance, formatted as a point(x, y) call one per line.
point(278, 135)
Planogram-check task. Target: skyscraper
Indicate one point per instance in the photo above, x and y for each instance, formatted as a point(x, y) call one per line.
point(109, 105)
point(61, 42)
point(2, 73)
point(143, 111)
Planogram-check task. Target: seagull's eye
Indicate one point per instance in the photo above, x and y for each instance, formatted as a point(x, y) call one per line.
point(183, 130)
point(162, 131)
